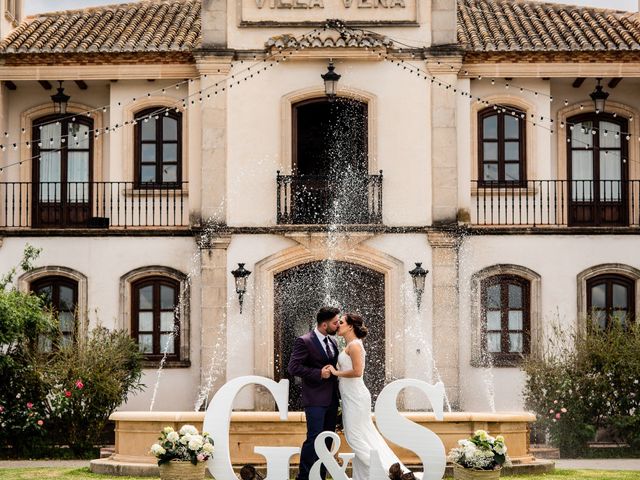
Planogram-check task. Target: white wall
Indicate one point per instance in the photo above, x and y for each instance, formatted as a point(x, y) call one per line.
point(256, 138)
point(558, 259)
point(103, 260)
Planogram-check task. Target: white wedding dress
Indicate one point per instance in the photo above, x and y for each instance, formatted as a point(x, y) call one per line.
point(359, 430)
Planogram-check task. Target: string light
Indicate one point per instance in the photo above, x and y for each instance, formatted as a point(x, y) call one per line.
point(96, 132)
point(409, 67)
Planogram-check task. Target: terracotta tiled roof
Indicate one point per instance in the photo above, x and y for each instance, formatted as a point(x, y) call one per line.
point(516, 26)
point(174, 26)
point(150, 26)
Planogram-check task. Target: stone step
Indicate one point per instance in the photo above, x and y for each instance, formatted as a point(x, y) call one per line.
point(545, 451)
point(106, 452)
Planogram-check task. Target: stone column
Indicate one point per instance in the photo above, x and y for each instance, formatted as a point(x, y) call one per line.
point(4, 126)
point(444, 139)
point(213, 15)
point(213, 311)
point(213, 124)
point(446, 345)
point(443, 22)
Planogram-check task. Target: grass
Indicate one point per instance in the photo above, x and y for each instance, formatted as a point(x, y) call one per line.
point(575, 474)
point(58, 474)
point(85, 474)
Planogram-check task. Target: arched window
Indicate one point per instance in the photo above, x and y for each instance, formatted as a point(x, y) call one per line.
point(505, 334)
point(611, 299)
point(158, 148)
point(61, 295)
point(155, 318)
point(501, 147)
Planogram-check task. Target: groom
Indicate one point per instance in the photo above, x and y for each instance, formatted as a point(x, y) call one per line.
point(311, 356)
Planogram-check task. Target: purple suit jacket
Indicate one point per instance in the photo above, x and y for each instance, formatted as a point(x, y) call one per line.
point(308, 356)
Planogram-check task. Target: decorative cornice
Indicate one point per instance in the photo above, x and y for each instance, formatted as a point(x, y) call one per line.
point(448, 64)
point(213, 65)
point(553, 69)
point(98, 72)
point(444, 239)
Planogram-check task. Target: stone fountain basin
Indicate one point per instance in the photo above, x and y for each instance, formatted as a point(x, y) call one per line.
point(136, 431)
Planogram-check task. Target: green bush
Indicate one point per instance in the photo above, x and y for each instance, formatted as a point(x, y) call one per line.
point(586, 385)
point(23, 317)
point(62, 397)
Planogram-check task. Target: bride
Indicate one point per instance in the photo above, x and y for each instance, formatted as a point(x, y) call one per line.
point(359, 430)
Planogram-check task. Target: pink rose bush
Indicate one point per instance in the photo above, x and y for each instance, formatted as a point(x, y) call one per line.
point(586, 388)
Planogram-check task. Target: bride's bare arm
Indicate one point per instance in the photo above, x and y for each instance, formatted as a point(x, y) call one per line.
point(355, 352)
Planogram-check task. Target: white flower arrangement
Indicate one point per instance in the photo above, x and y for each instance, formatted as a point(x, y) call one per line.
point(184, 445)
point(480, 452)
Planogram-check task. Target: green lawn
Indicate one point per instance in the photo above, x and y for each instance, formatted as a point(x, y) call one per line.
point(57, 473)
point(571, 474)
point(83, 473)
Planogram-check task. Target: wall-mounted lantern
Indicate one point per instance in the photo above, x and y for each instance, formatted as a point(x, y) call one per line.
point(418, 274)
point(241, 274)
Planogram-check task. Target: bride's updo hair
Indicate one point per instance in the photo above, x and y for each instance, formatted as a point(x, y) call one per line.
point(357, 323)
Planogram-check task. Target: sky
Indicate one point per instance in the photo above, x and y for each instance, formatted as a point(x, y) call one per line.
point(37, 6)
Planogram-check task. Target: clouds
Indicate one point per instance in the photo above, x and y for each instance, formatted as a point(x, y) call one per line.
point(38, 6)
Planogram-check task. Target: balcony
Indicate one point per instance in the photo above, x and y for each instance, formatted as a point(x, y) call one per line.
point(57, 205)
point(548, 203)
point(328, 199)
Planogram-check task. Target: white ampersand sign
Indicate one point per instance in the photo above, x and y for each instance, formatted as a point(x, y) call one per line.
point(326, 458)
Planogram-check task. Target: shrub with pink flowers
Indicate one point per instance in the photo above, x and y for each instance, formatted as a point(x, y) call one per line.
point(63, 396)
point(587, 388)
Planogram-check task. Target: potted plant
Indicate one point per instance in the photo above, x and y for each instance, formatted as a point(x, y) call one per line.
point(479, 457)
point(182, 455)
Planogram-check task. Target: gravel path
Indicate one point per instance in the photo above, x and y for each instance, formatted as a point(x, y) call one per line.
point(600, 464)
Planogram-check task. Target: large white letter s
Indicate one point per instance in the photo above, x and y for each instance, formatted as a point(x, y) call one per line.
point(405, 433)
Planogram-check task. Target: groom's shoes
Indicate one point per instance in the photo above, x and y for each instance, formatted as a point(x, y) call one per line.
point(248, 472)
point(396, 473)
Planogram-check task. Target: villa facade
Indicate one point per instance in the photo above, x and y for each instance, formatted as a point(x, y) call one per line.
point(198, 135)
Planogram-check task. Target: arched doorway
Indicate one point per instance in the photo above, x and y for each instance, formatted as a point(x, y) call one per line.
point(299, 293)
point(330, 161)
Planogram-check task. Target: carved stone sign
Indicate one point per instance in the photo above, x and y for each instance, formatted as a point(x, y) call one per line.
point(300, 12)
point(391, 423)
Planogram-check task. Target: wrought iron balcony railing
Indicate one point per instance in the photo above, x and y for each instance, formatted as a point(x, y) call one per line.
point(325, 199)
point(92, 205)
point(574, 203)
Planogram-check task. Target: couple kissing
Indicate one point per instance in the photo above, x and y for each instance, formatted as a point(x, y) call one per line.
point(331, 377)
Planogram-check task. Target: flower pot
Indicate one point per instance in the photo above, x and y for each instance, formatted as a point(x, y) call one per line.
point(176, 470)
point(461, 473)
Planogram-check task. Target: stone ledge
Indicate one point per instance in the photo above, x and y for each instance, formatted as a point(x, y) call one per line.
point(106, 466)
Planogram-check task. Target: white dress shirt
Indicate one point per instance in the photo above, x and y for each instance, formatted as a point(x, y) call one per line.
point(321, 337)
